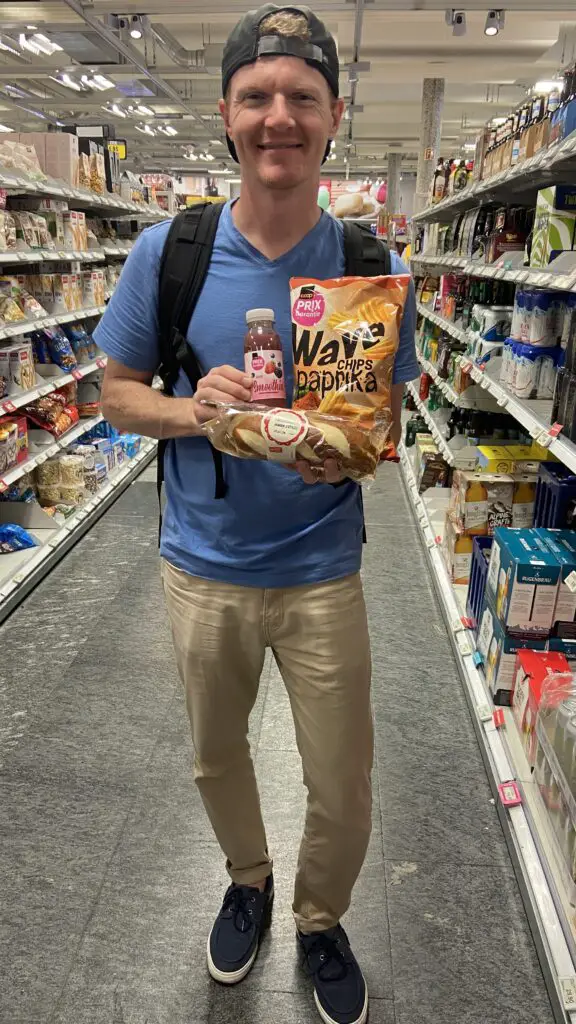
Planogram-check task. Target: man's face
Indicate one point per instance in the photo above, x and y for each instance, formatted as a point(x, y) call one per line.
point(280, 113)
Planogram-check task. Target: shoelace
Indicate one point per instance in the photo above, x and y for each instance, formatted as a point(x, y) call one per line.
point(333, 962)
point(236, 903)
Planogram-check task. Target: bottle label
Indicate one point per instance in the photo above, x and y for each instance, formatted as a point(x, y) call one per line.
point(476, 514)
point(266, 368)
point(283, 430)
point(461, 568)
point(522, 514)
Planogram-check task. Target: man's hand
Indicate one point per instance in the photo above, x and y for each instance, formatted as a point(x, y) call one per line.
point(327, 472)
point(221, 384)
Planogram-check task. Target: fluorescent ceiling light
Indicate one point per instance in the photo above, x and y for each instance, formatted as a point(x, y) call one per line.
point(9, 48)
point(104, 82)
point(216, 142)
point(142, 109)
point(37, 44)
point(97, 82)
point(145, 129)
point(494, 22)
point(4, 128)
point(65, 79)
point(547, 86)
point(167, 129)
point(113, 108)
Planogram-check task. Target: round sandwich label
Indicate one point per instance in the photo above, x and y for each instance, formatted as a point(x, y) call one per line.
point(283, 429)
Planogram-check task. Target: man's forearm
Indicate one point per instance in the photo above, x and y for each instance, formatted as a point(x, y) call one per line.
point(131, 405)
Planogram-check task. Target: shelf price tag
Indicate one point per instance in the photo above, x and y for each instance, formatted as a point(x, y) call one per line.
point(464, 645)
point(484, 712)
point(570, 582)
point(8, 406)
point(479, 661)
point(77, 374)
point(101, 363)
point(498, 718)
point(568, 990)
point(509, 794)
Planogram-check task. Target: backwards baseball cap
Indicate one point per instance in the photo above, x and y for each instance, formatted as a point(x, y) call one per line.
point(245, 45)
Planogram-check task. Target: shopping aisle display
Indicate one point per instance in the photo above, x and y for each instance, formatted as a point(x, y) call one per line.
point(62, 243)
point(489, 463)
point(123, 874)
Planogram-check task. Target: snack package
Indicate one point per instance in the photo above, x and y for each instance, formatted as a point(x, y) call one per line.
point(52, 414)
point(345, 337)
point(81, 342)
point(15, 538)
point(252, 431)
point(60, 349)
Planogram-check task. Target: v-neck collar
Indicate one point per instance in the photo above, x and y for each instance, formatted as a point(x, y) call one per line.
point(259, 256)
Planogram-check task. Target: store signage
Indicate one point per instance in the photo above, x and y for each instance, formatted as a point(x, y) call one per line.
point(119, 147)
point(428, 154)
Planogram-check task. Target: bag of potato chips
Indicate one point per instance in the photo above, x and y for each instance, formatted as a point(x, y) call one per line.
point(345, 336)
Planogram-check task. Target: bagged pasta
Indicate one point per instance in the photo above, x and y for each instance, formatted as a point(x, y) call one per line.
point(345, 336)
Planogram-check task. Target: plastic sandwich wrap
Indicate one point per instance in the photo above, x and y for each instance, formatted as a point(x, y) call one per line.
point(345, 334)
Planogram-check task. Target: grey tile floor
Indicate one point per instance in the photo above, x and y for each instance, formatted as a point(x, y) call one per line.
point(110, 876)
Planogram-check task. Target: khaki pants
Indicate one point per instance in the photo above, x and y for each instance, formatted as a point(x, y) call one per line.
point(319, 637)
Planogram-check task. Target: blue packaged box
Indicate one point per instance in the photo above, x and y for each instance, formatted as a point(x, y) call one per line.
point(562, 544)
point(522, 583)
point(499, 650)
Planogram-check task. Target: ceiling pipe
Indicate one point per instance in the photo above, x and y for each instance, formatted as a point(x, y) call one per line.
point(358, 20)
point(192, 59)
point(133, 57)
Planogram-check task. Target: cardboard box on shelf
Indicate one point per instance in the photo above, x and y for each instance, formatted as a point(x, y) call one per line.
point(531, 671)
point(522, 583)
point(457, 550)
point(562, 544)
point(498, 650)
point(554, 224)
point(62, 157)
point(482, 501)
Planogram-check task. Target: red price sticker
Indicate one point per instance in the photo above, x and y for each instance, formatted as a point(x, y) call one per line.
point(101, 363)
point(3, 486)
point(8, 406)
point(77, 374)
point(555, 429)
point(498, 718)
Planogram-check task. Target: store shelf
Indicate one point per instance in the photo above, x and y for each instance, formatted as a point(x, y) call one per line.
point(22, 570)
point(546, 909)
point(37, 458)
point(531, 174)
point(19, 256)
point(446, 325)
point(18, 183)
point(499, 272)
point(24, 326)
point(15, 401)
point(439, 439)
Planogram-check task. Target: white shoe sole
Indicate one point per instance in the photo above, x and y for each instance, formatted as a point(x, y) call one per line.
point(330, 1020)
point(229, 977)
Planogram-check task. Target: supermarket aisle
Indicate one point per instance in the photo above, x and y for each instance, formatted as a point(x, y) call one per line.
point(110, 874)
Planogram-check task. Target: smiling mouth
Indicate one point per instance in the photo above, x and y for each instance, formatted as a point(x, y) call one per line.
point(279, 145)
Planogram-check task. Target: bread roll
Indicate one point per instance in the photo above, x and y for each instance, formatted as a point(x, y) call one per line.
point(349, 205)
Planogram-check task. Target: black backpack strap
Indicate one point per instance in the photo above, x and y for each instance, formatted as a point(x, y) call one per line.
point(183, 268)
point(364, 254)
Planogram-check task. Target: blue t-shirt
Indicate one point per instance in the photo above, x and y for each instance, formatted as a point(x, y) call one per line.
point(271, 529)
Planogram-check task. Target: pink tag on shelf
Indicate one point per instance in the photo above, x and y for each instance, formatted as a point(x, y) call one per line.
point(555, 429)
point(509, 794)
point(101, 363)
point(498, 718)
point(77, 374)
point(438, 539)
point(3, 486)
point(8, 406)
point(466, 622)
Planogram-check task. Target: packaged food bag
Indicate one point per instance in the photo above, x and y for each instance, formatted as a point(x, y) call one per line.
point(345, 337)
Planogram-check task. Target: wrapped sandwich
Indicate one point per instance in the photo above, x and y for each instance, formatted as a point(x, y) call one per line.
point(345, 337)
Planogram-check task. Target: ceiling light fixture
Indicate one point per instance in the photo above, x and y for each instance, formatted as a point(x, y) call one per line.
point(113, 108)
point(547, 86)
point(104, 82)
point(63, 78)
point(142, 109)
point(457, 20)
point(136, 27)
point(167, 129)
point(494, 23)
point(5, 128)
point(145, 129)
point(4, 45)
point(38, 44)
point(97, 82)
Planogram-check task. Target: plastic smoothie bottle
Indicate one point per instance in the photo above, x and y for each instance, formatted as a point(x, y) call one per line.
point(263, 360)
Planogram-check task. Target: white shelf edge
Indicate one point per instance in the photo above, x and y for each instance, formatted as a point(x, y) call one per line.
point(25, 326)
point(43, 558)
point(534, 874)
point(440, 441)
point(11, 402)
point(532, 276)
point(15, 472)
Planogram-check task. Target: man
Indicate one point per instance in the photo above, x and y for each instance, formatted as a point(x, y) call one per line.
point(276, 562)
